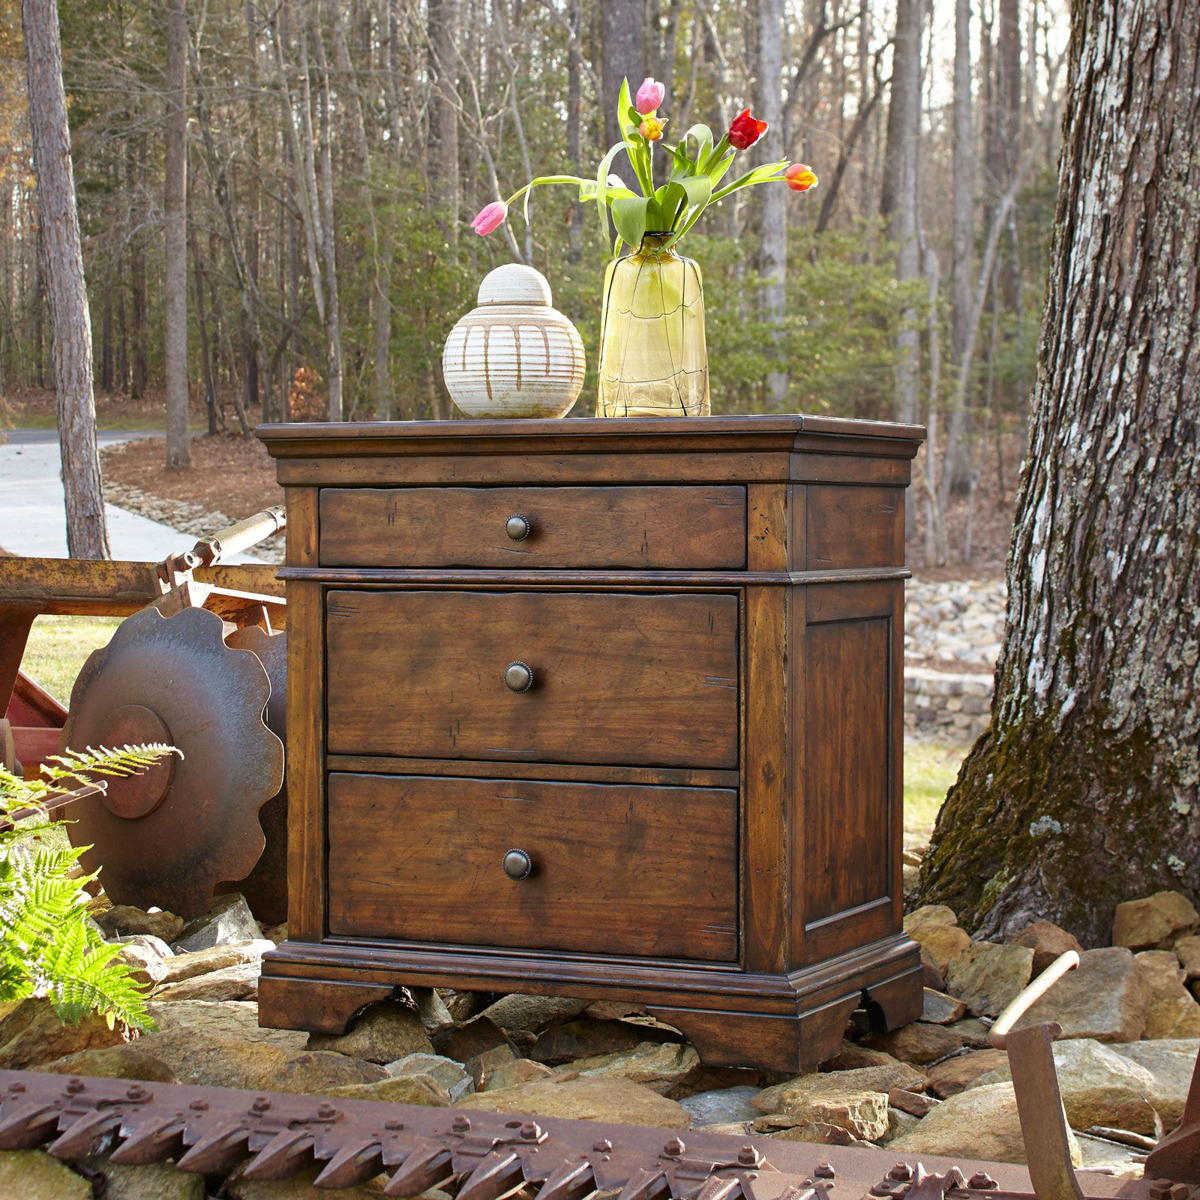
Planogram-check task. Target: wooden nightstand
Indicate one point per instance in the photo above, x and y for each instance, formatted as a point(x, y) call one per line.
point(605, 708)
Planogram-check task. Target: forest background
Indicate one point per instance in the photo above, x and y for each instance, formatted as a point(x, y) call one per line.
point(334, 151)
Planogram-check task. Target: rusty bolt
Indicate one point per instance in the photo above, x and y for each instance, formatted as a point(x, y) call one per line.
point(531, 1131)
point(603, 1146)
point(674, 1147)
point(74, 1086)
point(393, 1125)
point(16, 1086)
point(981, 1181)
point(902, 1172)
point(1180, 1191)
point(136, 1092)
point(260, 1105)
point(326, 1112)
point(461, 1125)
point(824, 1171)
point(199, 1105)
point(748, 1156)
point(1159, 1189)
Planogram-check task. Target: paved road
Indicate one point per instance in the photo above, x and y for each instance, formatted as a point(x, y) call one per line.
point(32, 518)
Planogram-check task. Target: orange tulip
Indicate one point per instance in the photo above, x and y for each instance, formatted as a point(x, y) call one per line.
point(651, 128)
point(800, 177)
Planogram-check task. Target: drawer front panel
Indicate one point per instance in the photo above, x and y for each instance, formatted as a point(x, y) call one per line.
point(615, 869)
point(617, 678)
point(646, 528)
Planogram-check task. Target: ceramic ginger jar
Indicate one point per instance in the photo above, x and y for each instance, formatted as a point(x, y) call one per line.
point(514, 355)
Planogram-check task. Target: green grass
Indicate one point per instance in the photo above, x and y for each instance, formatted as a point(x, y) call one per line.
point(59, 646)
point(929, 770)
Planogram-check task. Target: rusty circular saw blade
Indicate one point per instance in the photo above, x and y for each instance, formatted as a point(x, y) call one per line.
point(211, 699)
point(265, 888)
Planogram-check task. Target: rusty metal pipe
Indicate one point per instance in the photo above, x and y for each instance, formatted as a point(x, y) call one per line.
point(238, 537)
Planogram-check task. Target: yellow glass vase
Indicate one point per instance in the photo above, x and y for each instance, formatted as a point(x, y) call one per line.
point(653, 359)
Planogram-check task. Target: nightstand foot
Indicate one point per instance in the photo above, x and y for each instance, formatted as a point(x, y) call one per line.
point(318, 1005)
point(896, 1001)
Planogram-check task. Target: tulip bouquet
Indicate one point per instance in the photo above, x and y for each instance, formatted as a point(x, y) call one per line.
point(697, 168)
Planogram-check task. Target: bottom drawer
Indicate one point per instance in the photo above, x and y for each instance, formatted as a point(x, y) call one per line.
point(616, 869)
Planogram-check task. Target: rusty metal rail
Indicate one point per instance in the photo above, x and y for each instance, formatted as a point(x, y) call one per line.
point(487, 1155)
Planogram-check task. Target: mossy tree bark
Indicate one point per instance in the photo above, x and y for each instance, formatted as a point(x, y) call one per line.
point(1085, 791)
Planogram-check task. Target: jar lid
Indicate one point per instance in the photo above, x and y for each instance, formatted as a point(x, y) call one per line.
point(514, 283)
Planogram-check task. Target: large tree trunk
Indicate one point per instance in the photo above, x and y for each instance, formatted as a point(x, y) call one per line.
point(1085, 791)
point(175, 235)
point(70, 322)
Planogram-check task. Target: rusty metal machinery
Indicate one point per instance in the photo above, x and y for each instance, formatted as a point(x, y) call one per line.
point(489, 1156)
point(200, 664)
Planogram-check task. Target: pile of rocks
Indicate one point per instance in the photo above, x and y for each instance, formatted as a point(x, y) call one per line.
point(961, 621)
point(1131, 1032)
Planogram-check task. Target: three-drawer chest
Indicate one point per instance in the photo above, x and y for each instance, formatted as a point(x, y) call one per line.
point(608, 709)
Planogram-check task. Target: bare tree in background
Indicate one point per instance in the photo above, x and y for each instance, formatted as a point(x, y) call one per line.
point(623, 50)
point(773, 252)
point(70, 322)
point(899, 199)
point(175, 312)
point(1085, 790)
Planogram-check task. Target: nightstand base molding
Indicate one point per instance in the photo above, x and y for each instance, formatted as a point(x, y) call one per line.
point(788, 1022)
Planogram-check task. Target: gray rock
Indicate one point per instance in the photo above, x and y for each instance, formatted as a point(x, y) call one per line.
point(316, 1071)
point(919, 1042)
point(584, 1038)
point(234, 1019)
point(32, 1033)
point(987, 976)
point(123, 920)
point(469, 1039)
point(215, 958)
point(1099, 1087)
point(1171, 1063)
point(146, 955)
point(407, 1089)
point(384, 1033)
point(229, 983)
point(1105, 998)
point(940, 1009)
point(722, 1106)
point(980, 1123)
point(532, 1014)
point(929, 916)
point(1173, 1011)
point(514, 1073)
point(660, 1066)
point(229, 923)
point(445, 1072)
point(956, 1074)
point(586, 1100)
point(1187, 950)
point(431, 1008)
point(155, 1181)
point(1154, 922)
point(1047, 941)
point(34, 1175)
point(113, 1062)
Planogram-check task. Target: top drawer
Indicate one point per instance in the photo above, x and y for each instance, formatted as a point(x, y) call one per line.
point(650, 528)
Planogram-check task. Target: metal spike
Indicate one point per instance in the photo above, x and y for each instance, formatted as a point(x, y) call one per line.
point(421, 1171)
point(571, 1181)
point(352, 1164)
point(717, 1187)
point(217, 1151)
point(86, 1136)
point(644, 1185)
point(281, 1156)
point(497, 1175)
point(28, 1125)
point(161, 1139)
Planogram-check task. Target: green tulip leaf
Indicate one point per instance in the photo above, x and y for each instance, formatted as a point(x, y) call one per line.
point(629, 216)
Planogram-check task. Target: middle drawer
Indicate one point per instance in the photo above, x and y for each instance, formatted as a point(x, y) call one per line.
point(614, 678)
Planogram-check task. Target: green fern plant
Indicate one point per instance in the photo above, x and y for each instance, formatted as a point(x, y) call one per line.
point(48, 947)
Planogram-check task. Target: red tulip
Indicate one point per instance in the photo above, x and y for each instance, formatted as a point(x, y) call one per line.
point(490, 217)
point(745, 130)
point(800, 177)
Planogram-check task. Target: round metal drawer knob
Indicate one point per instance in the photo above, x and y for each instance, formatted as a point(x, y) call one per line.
point(518, 527)
point(517, 864)
point(518, 677)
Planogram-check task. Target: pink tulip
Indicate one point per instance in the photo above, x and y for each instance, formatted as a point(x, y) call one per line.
point(490, 218)
point(649, 96)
